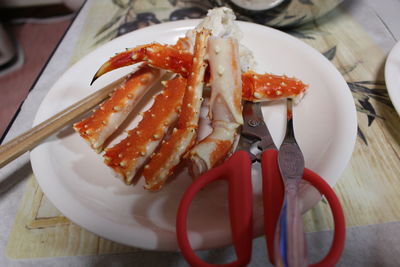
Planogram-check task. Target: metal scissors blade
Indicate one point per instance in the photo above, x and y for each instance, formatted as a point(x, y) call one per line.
point(290, 230)
point(254, 125)
point(290, 157)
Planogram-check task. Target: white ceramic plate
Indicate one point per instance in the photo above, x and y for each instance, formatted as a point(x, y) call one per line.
point(75, 179)
point(392, 76)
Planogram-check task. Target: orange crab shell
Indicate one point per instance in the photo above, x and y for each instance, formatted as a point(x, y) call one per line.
point(157, 55)
point(269, 86)
point(177, 59)
point(123, 157)
point(194, 91)
point(184, 136)
point(96, 128)
point(164, 162)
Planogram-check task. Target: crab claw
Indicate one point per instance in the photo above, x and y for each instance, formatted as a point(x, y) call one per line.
point(177, 60)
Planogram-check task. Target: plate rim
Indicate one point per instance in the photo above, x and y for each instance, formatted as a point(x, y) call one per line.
point(390, 76)
point(116, 236)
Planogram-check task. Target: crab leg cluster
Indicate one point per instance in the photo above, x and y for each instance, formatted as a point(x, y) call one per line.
point(167, 134)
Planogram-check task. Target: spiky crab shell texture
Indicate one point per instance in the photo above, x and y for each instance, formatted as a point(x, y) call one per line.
point(256, 87)
point(128, 156)
point(96, 128)
point(184, 135)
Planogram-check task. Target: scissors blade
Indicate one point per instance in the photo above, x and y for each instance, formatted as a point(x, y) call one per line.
point(246, 144)
point(254, 125)
point(290, 157)
point(291, 166)
point(291, 162)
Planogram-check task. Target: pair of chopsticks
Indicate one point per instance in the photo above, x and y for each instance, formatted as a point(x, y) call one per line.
point(30, 139)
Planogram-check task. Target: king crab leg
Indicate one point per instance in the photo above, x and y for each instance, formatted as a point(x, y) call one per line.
point(104, 121)
point(225, 106)
point(128, 156)
point(213, 149)
point(184, 135)
point(226, 84)
point(182, 44)
point(173, 58)
point(109, 116)
point(256, 87)
point(269, 87)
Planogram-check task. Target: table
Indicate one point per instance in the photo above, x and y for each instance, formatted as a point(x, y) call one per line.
point(377, 244)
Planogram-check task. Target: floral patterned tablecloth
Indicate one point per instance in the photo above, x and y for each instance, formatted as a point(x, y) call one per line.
point(368, 189)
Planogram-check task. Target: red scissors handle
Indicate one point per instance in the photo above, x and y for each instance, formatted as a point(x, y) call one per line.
point(237, 171)
point(273, 193)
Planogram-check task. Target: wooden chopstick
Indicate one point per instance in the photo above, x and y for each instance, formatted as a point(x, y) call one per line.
point(28, 140)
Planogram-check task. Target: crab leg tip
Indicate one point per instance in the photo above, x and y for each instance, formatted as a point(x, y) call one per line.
point(94, 79)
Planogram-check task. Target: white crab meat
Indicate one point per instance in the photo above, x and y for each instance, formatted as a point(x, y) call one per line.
point(221, 22)
point(225, 106)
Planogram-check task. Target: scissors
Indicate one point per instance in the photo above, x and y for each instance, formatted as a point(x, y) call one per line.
point(281, 173)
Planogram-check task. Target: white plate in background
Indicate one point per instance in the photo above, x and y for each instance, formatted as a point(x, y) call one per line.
point(392, 76)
